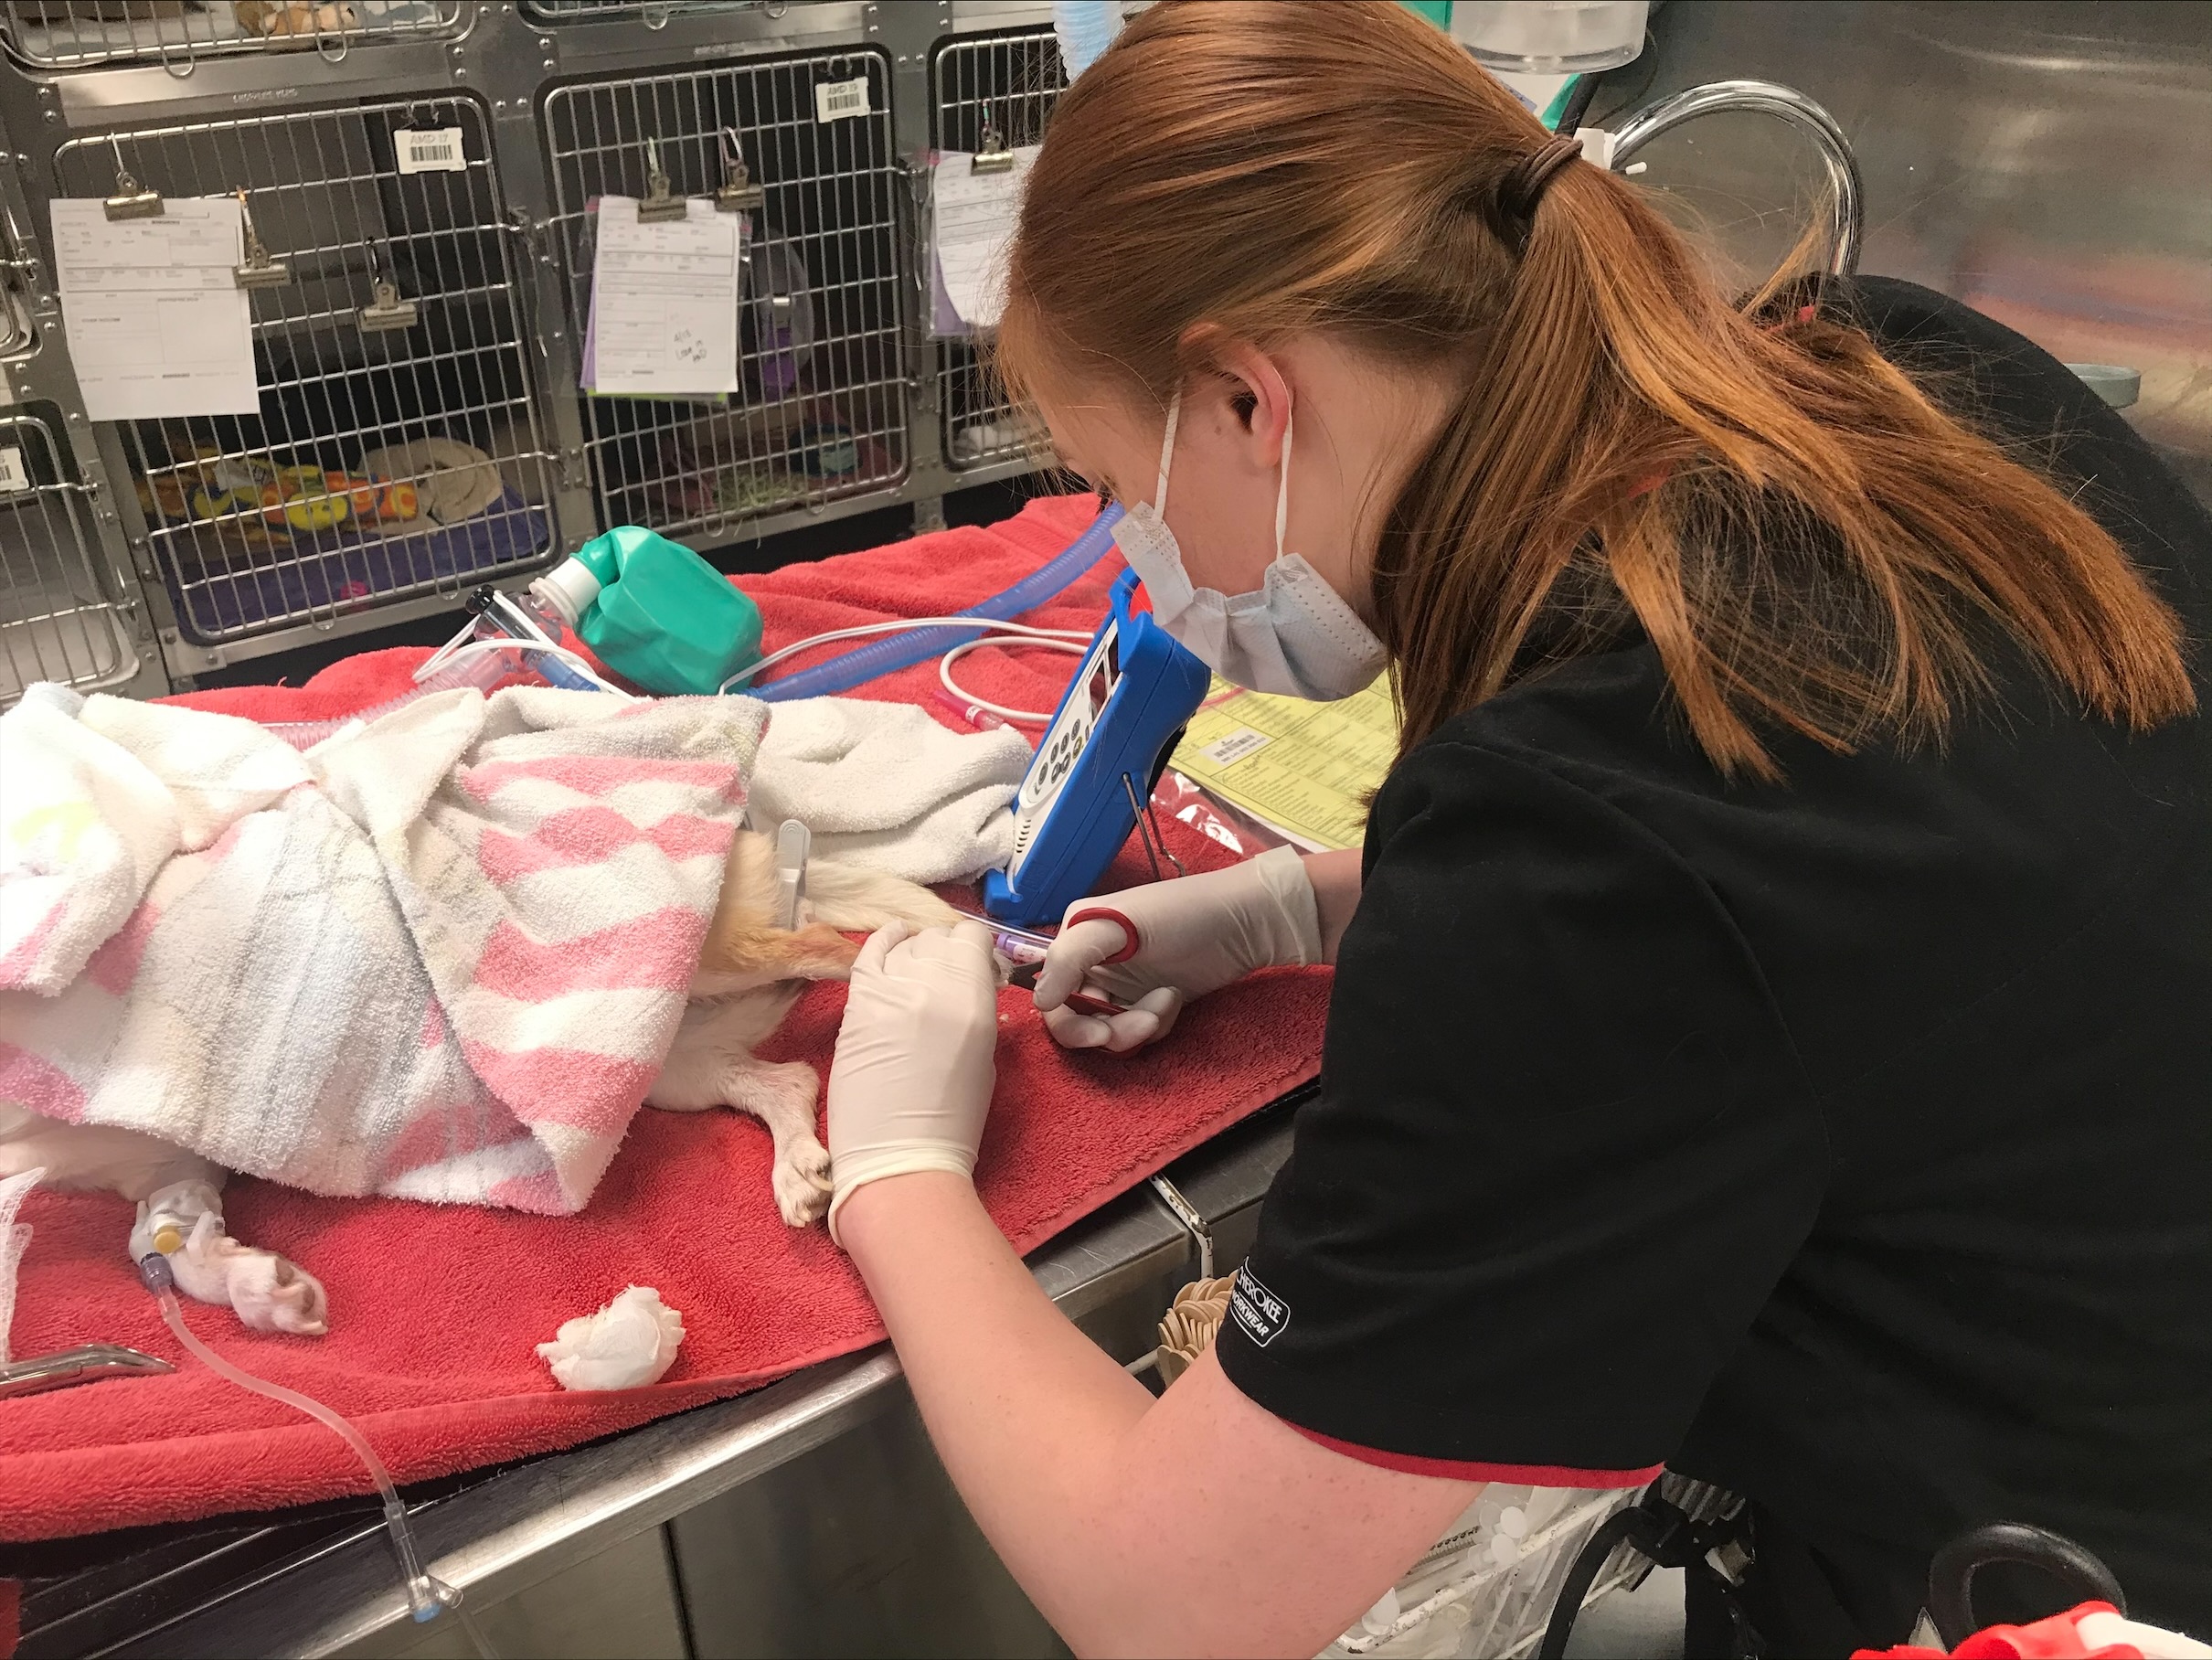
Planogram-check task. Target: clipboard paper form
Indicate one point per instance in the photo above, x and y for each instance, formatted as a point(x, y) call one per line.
point(157, 324)
point(972, 218)
point(664, 301)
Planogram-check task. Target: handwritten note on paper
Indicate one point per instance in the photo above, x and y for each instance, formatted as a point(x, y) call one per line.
point(974, 224)
point(157, 324)
point(664, 301)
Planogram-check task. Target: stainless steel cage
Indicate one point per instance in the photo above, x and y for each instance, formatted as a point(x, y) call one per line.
point(399, 447)
point(87, 34)
point(653, 14)
point(1008, 82)
point(64, 613)
point(18, 263)
point(821, 416)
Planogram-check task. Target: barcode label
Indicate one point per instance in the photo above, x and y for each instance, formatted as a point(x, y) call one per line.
point(437, 150)
point(1227, 751)
point(836, 99)
point(13, 478)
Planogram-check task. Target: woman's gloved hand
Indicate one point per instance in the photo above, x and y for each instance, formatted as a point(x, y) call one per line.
point(910, 1085)
point(1194, 935)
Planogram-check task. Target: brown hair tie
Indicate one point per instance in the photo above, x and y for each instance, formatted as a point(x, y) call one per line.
point(1526, 184)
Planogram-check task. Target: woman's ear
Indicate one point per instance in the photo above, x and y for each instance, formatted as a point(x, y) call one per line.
point(1259, 397)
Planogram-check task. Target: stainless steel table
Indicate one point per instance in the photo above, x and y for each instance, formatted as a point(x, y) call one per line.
point(807, 1518)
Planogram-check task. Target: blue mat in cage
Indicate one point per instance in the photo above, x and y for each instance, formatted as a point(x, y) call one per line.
point(341, 572)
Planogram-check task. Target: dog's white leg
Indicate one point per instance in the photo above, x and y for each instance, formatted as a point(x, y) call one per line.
point(782, 1095)
point(711, 1064)
point(268, 1293)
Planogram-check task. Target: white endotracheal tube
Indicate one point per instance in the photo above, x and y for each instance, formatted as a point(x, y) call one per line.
point(1295, 636)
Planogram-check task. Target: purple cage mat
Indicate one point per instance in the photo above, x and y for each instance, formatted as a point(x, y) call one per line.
point(346, 570)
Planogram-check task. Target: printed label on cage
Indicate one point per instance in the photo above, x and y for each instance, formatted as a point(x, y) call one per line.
point(1259, 1311)
point(836, 99)
point(432, 150)
point(1235, 747)
point(13, 478)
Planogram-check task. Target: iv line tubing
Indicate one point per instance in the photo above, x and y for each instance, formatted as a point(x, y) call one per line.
point(427, 1596)
point(1053, 577)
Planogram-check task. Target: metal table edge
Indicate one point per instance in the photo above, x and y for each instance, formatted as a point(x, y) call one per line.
point(523, 1525)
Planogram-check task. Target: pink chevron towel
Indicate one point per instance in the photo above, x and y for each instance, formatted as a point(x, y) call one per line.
point(439, 957)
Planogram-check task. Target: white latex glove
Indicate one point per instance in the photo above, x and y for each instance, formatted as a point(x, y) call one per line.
point(1195, 934)
point(910, 1085)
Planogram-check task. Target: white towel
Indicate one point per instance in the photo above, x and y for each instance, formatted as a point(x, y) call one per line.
point(15, 1240)
point(881, 784)
point(440, 956)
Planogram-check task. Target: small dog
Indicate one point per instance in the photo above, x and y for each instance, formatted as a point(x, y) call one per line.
point(751, 972)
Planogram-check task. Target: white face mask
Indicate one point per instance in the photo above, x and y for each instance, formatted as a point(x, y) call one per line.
point(1295, 636)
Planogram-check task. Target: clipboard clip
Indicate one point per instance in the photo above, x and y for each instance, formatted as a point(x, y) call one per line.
point(387, 311)
point(132, 200)
point(736, 193)
point(258, 270)
point(993, 155)
point(657, 207)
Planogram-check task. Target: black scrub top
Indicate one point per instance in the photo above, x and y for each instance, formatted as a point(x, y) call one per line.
point(1846, 1141)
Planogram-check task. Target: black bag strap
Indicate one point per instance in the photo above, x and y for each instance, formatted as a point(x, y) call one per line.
point(1669, 1537)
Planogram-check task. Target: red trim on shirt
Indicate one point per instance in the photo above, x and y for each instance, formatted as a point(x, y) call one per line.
point(1460, 1469)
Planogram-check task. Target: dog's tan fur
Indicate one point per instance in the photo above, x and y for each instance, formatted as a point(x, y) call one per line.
point(751, 972)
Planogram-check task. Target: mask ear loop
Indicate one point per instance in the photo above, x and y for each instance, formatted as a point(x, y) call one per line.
point(1282, 490)
point(1167, 453)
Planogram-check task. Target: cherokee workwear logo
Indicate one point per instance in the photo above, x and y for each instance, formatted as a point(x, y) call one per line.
point(1259, 1311)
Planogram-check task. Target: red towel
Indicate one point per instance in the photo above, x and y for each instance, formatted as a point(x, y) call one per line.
point(434, 1310)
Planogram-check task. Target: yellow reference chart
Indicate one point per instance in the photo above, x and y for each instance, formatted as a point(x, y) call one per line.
point(1303, 768)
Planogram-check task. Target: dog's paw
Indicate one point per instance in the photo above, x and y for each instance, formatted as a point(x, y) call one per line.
point(268, 1293)
point(272, 1294)
point(802, 1181)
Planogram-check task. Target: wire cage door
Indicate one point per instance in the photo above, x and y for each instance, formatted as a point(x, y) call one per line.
point(820, 413)
point(88, 34)
point(59, 617)
point(1007, 83)
point(398, 450)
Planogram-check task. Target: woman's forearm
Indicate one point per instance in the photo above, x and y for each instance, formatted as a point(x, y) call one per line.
point(1336, 878)
point(1132, 1523)
point(1028, 1414)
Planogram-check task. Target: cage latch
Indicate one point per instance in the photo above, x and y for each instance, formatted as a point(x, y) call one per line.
point(991, 155)
point(132, 200)
point(258, 270)
point(388, 310)
point(737, 193)
point(658, 207)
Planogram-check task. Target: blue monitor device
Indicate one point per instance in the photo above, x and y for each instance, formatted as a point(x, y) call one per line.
point(1110, 739)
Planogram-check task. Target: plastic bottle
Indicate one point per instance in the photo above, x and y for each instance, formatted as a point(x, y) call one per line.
point(653, 612)
point(1086, 28)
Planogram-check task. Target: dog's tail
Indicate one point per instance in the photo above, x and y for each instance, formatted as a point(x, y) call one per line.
point(858, 900)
